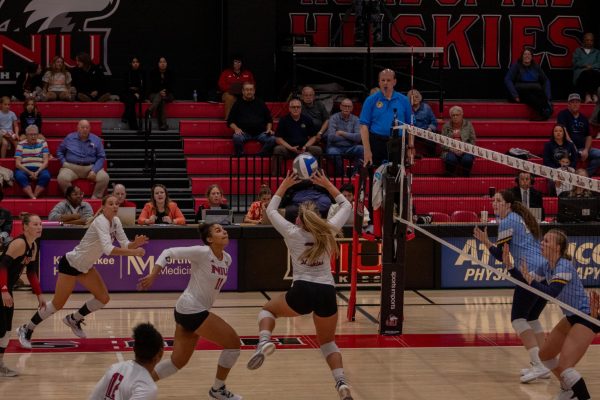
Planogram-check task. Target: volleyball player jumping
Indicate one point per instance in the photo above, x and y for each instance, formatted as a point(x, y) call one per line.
point(311, 243)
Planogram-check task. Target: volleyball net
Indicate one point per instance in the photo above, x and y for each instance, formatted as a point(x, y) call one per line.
point(446, 200)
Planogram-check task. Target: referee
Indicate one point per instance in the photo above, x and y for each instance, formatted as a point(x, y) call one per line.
point(377, 117)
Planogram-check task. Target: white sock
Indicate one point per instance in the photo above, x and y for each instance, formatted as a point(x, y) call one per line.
point(338, 374)
point(218, 384)
point(534, 355)
point(264, 337)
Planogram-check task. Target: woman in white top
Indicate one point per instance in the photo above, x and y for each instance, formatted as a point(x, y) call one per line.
point(311, 243)
point(132, 379)
point(209, 266)
point(77, 266)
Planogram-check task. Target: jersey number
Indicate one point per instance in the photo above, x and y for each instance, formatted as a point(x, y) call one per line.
point(113, 386)
point(220, 283)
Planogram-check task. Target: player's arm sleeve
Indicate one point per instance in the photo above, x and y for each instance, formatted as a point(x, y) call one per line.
point(121, 236)
point(282, 225)
point(103, 229)
point(342, 215)
point(187, 253)
point(143, 392)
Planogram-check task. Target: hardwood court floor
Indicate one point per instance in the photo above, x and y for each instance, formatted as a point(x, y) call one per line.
point(456, 345)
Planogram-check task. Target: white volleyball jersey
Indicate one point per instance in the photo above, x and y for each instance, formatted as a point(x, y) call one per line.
point(298, 239)
point(98, 240)
point(208, 275)
point(126, 380)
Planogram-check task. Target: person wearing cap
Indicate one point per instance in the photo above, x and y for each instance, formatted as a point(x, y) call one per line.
point(230, 83)
point(578, 128)
point(586, 69)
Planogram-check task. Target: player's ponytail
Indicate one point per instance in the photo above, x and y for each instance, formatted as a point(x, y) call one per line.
point(323, 233)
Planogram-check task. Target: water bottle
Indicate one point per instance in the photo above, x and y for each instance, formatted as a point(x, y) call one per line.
point(195, 96)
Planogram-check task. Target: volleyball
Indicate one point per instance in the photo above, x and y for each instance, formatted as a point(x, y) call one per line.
point(305, 165)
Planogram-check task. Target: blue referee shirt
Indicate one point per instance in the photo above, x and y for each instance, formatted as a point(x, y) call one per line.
point(378, 112)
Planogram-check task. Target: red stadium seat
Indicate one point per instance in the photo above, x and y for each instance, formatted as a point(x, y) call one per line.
point(439, 217)
point(464, 216)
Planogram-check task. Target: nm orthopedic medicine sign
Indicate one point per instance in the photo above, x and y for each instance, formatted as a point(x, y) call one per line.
point(459, 272)
point(122, 273)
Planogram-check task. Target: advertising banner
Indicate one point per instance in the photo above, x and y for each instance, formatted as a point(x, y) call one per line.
point(121, 273)
point(459, 272)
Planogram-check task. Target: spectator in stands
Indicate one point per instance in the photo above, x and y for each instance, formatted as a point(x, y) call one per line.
point(562, 187)
point(6, 223)
point(526, 193)
point(348, 191)
point(31, 162)
point(578, 191)
point(458, 128)
point(120, 193)
point(527, 83)
point(214, 200)
point(160, 209)
point(230, 83)
point(559, 145)
point(133, 92)
point(343, 137)
point(57, 81)
point(160, 88)
point(73, 210)
point(304, 191)
point(257, 209)
point(578, 128)
point(82, 156)
point(315, 110)
point(424, 119)
point(30, 116)
point(586, 69)
point(89, 80)
point(9, 128)
point(250, 119)
point(295, 135)
point(29, 83)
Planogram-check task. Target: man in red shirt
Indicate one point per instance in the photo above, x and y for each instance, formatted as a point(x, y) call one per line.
point(230, 83)
point(121, 194)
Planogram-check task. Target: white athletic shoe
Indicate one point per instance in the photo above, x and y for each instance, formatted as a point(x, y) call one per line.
point(258, 358)
point(24, 336)
point(526, 371)
point(7, 372)
point(343, 390)
point(564, 394)
point(75, 326)
point(535, 372)
point(222, 394)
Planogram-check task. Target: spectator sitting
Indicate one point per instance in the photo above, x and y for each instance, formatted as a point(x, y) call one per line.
point(89, 80)
point(315, 110)
point(557, 147)
point(257, 209)
point(29, 83)
point(577, 191)
point(160, 209)
point(562, 187)
point(526, 193)
point(586, 69)
point(423, 119)
point(9, 128)
point(160, 88)
point(527, 83)
point(120, 193)
point(73, 210)
point(57, 81)
point(230, 83)
point(214, 200)
point(302, 192)
point(295, 135)
point(343, 137)
point(30, 116)
point(6, 223)
point(578, 128)
point(31, 161)
point(82, 156)
point(251, 119)
point(348, 192)
point(458, 128)
point(133, 92)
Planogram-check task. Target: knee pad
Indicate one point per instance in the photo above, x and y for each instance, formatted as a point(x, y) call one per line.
point(228, 357)
point(165, 368)
point(329, 348)
point(536, 326)
point(265, 314)
point(4, 340)
point(520, 325)
point(551, 363)
point(569, 377)
point(47, 311)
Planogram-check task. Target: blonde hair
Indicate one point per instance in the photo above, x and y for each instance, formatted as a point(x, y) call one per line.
point(101, 209)
point(323, 233)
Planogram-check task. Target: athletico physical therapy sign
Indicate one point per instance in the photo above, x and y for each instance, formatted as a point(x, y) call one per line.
point(121, 274)
point(459, 272)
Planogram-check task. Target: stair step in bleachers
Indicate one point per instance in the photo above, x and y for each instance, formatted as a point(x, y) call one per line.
point(196, 128)
point(249, 185)
point(41, 207)
point(495, 109)
point(466, 186)
point(435, 166)
point(221, 165)
point(215, 147)
point(52, 190)
point(53, 165)
point(448, 205)
point(60, 128)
